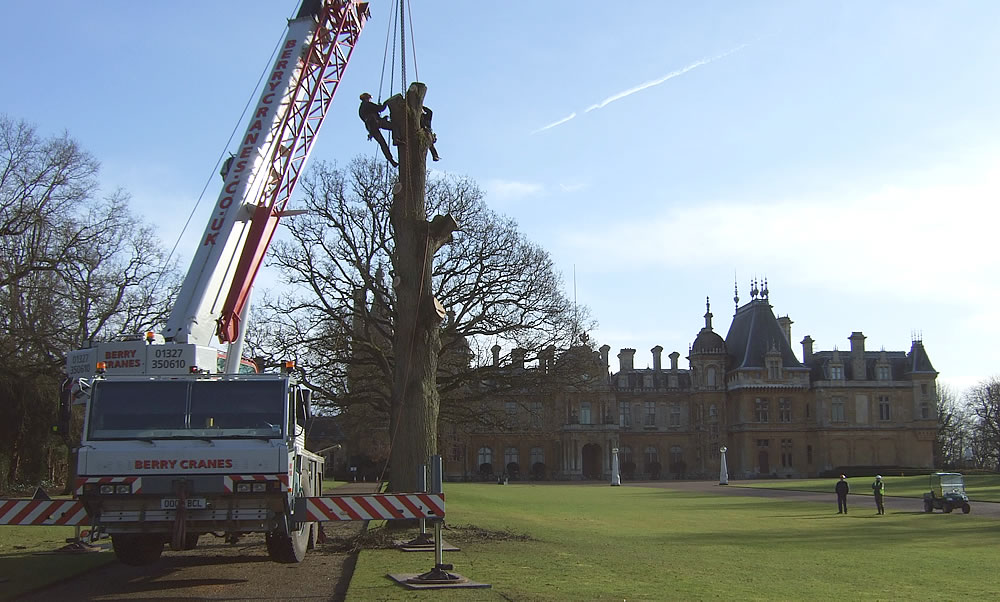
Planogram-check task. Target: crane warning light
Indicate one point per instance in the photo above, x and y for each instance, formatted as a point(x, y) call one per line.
point(102, 367)
point(149, 336)
point(289, 365)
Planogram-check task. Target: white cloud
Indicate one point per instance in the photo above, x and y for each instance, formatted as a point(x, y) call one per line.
point(511, 189)
point(934, 242)
point(643, 86)
point(554, 123)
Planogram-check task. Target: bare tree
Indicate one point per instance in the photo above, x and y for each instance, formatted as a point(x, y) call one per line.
point(954, 433)
point(338, 309)
point(983, 400)
point(73, 269)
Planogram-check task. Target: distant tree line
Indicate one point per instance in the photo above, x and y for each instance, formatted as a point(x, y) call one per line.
point(75, 268)
point(969, 427)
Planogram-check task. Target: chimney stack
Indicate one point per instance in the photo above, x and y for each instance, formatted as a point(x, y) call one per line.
point(496, 355)
point(625, 357)
point(673, 361)
point(517, 358)
point(605, 350)
point(657, 362)
point(786, 327)
point(807, 350)
point(858, 356)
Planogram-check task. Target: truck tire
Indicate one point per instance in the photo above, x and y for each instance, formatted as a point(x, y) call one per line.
point(288, 549)
point(946, 507)
point(137, 549)
point(928, 506)
point(966, 508)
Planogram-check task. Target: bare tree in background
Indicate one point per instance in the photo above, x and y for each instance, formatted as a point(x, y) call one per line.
point(73, 269)
point(337, 311)
point(954, 433)
point(983, 400)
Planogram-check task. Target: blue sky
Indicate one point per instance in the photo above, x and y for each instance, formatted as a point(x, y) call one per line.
point(849, 152)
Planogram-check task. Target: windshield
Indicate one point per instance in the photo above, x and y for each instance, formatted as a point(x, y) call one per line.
point(952, 482)
point(187, 409)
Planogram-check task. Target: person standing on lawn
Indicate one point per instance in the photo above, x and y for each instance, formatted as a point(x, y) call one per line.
point(842, 490)
point(878, 488)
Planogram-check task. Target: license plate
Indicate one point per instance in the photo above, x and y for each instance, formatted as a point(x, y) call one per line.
point(191, 503)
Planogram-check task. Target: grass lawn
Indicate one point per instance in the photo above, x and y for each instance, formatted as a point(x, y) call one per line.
point(594, 542)
point(22, 568)
point(979, 487)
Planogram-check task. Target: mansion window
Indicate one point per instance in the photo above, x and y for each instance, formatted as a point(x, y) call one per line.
point(836, 372)
point(784, 409)
point(710, 376)
point(763, 443)
point(485, 456)
point(786, 453)
point(624, 414)
point(773, 370)
point(535, 408)
point(626, 455)
point(585, 412)
point(883, 373)
point(925, 410)
point(510, 408)
point(713, 413)
point(647, 381)
point(760, 409)
point(622, 381)
point(650, 419)
point(676, 455)
point(537, 456)
point(884, 408)
point(675, 415)
point(510, 456)
point(651, 455)
point(837, 410)
point(456, 452)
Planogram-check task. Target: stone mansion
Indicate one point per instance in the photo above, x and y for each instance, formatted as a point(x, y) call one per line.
point(833, 411)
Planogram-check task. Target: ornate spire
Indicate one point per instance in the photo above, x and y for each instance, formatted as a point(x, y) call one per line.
point(763, 292)
point(753, 289)
point(736, 293)
point(708, 314)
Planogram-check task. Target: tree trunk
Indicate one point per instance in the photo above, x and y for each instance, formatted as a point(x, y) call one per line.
point(416, 337)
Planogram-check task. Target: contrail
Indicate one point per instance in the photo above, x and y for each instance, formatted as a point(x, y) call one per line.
point(656, 82)
point(555, 123)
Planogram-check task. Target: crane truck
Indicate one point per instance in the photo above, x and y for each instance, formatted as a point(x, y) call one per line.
point(174, 447)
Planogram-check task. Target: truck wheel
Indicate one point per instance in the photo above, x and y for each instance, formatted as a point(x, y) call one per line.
point(137, 549)
point(946, 506)
point(966, 508)
point(288, 549)
point(928, 506)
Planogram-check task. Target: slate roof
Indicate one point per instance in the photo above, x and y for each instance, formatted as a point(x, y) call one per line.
point(753, 333)
point(901, 364)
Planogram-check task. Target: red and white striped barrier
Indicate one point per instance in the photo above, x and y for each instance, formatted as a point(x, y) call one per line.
point(43, 512)
point(229, 481)
point(387, 506)
point(135, 482)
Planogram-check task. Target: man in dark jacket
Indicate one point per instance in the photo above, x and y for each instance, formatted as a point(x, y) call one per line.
point(369, 112)
point(425, 124)
point(842, 489)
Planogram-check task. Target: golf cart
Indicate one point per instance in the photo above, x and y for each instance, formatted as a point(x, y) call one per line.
point(947, 493)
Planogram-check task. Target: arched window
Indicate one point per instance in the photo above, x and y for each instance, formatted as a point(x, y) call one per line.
point(510, 455)
point(485, 456)
point(537, 455)
point(676, 455)
point(651, 455)
point(710, 376)
point(625, 454)
point(585, 412)
point(713, 413)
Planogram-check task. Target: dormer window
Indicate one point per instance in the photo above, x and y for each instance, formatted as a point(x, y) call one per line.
point(836, 372)
point(883, 372)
